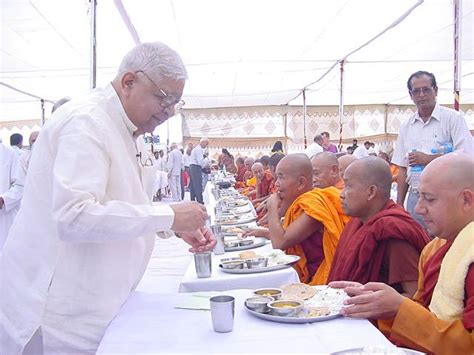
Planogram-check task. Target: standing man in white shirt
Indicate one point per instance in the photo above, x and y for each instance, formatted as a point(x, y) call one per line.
point(86, 228)
point(10, 197)
point(315, 147)
point(430, 127)
point(175, 164)
point(16, 142)
point(195, 170)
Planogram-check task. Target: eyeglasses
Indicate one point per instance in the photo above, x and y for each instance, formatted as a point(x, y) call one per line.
point(426, 90)
point(148, 161)
point(167, 100)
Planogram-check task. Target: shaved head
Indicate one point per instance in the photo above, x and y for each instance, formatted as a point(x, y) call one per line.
point(344, 162)
point(294, 176)
point(446, 195)
point(325, 170)
point(248, 162)
point(367, 187)
point(258, 171)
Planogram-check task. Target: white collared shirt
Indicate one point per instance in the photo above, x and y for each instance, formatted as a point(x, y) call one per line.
point(313, 149)
point(85, 231)
point(197, 156)
point(444, 126)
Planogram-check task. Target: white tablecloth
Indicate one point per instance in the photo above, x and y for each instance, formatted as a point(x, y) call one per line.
point(149, 323)
point(221, 281)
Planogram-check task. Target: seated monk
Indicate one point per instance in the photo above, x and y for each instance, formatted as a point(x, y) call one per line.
point(313, 219)
point(326, 171)
point(440, 318)
point(239, 175)
point(249, 179)
point(393, 168)
point(264, 182)
point(381, 242)
point(344, 162)
point(261, 209)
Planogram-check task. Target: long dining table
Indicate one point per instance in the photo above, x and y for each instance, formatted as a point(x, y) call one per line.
point(151, 324)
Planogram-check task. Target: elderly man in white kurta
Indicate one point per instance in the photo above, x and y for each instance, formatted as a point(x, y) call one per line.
point(86, 226)
point(10, 190)
point(175, 165)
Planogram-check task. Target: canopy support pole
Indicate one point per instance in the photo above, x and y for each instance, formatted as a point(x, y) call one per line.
point(43, 118)
point(305, 141)
point(93, 45)
point(457, 62)
point(341, 103)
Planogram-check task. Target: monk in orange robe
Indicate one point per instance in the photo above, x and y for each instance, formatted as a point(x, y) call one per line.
point(344, 162)
point(313, 219)
point(440, 317)
point(326, 171)
point(381, 242)
point(393, 168)
point(239, 175)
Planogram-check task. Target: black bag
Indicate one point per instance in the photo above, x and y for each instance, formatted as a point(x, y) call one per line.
point(206, 170)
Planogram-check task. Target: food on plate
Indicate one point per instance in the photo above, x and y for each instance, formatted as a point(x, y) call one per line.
point(233, 230)
point(278, 257)
point(247, 255)
point(300, 290)
point(271, 292)
point(318, 311)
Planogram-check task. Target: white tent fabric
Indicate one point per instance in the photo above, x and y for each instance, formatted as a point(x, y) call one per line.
point(238, 52)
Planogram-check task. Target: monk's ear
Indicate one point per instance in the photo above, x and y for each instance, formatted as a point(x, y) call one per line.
point(371, 192)
point(467, 200)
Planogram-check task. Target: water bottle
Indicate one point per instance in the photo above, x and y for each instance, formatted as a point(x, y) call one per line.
point(444, 149)
point(415, 175)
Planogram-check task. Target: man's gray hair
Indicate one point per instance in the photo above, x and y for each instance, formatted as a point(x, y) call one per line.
point(156, 59)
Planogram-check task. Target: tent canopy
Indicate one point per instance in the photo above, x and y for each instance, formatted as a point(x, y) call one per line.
point(239, 53)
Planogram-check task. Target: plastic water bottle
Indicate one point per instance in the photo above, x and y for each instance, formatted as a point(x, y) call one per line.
point(415, 175)
point(444, 149)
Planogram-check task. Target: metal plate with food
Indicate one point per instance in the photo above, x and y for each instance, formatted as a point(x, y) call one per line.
point(236, 220)
point(324, 304)
point(253, 270)
point(243, 244)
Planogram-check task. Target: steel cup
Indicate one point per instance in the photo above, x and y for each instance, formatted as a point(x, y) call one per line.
point(222, 313)
point(203, 264)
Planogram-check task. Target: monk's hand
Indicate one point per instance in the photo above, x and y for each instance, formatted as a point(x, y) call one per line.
point(273, 203)
point(257, 232)
point(264, 220)
point(418, 158)
point(188, 216)
point(201, 240)
point(374, 300)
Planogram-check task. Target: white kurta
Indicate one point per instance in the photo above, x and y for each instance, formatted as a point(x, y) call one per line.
point(10, 189)
point(85, 230)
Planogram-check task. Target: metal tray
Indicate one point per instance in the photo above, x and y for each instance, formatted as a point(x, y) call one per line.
point(261, 269)
point(295, 320)
point(236, 223)
point(257, 243)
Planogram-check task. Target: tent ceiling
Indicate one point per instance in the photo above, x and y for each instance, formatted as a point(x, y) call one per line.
point(238, 53)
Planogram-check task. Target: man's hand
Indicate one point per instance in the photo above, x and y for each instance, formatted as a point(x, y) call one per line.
point(419, 158)
point(200, 240)
point(2, 202)
point(188, 216)
point(273, 203)
point(374, 300)
point(257, 232)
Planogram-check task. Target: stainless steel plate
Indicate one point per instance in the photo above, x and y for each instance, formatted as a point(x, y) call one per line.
point(257, 243)
point(297, 320)
point(261, 269)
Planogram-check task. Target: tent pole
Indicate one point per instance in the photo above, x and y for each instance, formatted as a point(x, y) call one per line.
point(457, 62)
point(42, 113)
point(93, 45)
point(341, 104)
point(305, 142)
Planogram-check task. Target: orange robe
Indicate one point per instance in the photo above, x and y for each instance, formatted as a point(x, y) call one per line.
point(324, 205)
point(263, 187)
point(359, 256)
point(416, 327)
point(394, 171)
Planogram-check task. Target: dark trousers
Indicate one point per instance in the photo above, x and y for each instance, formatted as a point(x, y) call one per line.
point(182, 184)
point(195, 185)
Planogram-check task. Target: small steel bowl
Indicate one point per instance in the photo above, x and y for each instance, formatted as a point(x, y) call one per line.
point(274, 293)
point(234, 264)
point(231, 244)
point(285, 308)
point(245, 242)
point(258, 304)
point(256, 263)
point(225, 260)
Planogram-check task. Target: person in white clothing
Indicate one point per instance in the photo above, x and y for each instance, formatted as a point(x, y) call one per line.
point(16, 142)
point(175, 165)
point(430, 127)
point(10, 196)
point(196, 164)
point(161, 180)
point(362, 151)
point(86, 227)
point(315, 147)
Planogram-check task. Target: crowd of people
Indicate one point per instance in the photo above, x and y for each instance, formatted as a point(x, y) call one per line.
point(85, 223)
